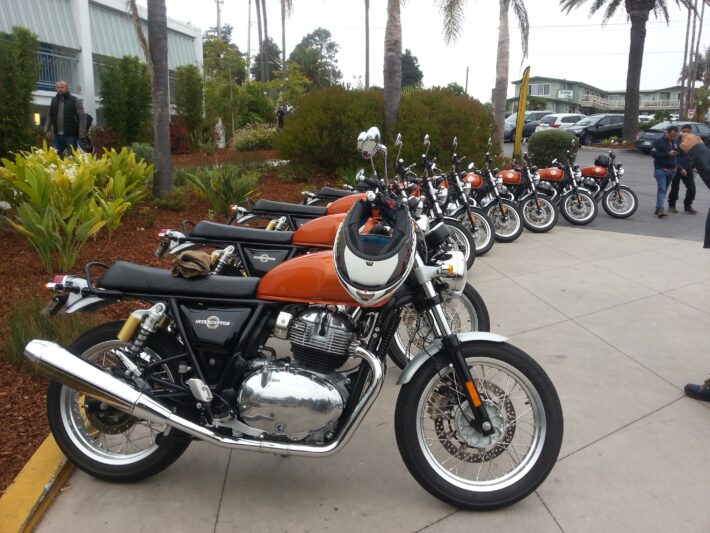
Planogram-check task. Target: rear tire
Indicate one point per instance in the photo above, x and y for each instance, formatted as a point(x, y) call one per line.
point(74, 417)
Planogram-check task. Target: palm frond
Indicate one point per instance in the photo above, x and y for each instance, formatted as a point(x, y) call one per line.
point(522, 15)
point(611, 10)
point(452, 13)
point(287, 6)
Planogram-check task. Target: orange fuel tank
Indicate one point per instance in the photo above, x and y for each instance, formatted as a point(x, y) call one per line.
point(320, 232)
point(343, 205)
point(476, 180)
point(509, 177)
point(309, 279)
point(551, 174)
point(594, 171)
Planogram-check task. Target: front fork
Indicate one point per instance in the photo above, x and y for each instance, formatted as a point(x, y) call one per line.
point(452, 345)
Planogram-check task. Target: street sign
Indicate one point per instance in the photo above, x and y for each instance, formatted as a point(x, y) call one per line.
point(691, 112)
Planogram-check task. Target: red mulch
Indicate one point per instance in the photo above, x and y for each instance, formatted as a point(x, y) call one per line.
point(225, 155)
point(22, 396)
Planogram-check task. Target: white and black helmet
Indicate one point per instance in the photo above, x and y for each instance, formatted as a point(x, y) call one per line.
point(372, 266)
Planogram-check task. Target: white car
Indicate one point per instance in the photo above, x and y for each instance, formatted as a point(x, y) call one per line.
point(560, 121)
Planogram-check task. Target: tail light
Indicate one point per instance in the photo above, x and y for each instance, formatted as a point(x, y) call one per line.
point(233, 208)
point(58, 282)
point(554, 125)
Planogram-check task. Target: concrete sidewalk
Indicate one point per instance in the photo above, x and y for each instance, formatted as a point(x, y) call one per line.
point(620, 322)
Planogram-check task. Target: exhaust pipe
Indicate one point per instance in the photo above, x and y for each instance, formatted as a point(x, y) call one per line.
point(60, 365)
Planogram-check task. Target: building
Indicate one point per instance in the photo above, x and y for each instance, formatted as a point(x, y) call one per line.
point(76, 36)
point(567, 96)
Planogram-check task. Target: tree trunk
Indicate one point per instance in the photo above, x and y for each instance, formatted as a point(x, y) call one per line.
point(158, 43)
point(283, 35)
point(638, 17)
point(502, 63)
point(683, 72)
point(367, 44)
point(266, 43)
point(694, 62)
point(393, 66)
point(257, 3)
point(696, 73)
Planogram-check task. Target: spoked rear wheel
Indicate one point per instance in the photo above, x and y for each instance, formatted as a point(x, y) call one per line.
point(456, 463)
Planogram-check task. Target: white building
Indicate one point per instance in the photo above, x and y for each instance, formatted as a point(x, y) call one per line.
point(76, 35)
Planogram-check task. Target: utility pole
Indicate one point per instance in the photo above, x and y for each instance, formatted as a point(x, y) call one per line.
point(466, 89)
point(219, 23)
point(249, 44)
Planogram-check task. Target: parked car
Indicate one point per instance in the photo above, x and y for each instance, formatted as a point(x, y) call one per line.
point(560, 121)
point(645, 137)
point(532, 119)
point(597, 127)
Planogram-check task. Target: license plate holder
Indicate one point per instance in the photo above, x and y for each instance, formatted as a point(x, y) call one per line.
point(55, 305)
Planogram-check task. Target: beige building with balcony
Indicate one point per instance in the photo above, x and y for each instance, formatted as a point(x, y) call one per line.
point(567, 96)
point(76, 37)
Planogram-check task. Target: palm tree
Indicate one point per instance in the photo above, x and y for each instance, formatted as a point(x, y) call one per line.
point(264, 50)
point(367, 44)
point(286, 8)
point(262, 63)
point(393, 65)
point(452, 11)
point(638, 12)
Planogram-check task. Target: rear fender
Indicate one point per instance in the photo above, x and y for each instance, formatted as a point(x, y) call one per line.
point(436, 346)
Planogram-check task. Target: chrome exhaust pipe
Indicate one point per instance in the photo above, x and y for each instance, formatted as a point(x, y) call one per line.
point(58, 364)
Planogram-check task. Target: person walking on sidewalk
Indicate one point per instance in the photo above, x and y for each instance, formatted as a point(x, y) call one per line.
point(699, 155)
point(684, 173)
point(664, 165)
point(66, 122)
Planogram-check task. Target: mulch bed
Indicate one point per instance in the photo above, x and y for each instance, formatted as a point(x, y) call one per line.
point(23, 396)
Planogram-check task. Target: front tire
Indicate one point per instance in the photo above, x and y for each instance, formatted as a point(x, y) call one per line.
point(578, 208)
point(538, 217)
point(480, 227)
point(462, 239)
point(455, 463)
point(507, 223)
point(465, 312)
point(621, 203)
point(100, 440)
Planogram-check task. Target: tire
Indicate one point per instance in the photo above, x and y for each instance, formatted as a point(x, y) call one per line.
point(70, 417)
point(540, 217)
point(480, 227)
point(507, 226)
point(430, 416)
point(462, 238)
point(469, 302)
point(587, 139)
point(579, 209)
point(620, 204)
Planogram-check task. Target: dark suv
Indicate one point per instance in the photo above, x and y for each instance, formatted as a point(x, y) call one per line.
point(646, 137)
point(597, 127)
point(532, 120)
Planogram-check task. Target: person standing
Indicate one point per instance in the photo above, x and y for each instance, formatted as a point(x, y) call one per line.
point(664, 165)
point(684, 173)
point(66, 122)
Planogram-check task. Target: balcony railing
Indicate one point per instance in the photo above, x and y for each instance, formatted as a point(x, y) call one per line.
point(616, 104)
point(56, 66)
point(589, 100)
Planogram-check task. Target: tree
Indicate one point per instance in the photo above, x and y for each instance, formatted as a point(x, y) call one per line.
point(392, 72)
point(638, 12)
point(286, 9)
point(222, 61)
point(126, 98)
point(411, 73)
point(367, 44)
point(452, 11)
point(323, 53)
point(259, 73)
point(536, 103)
point(456, 88)
point(19, 70)
point(212, 33)
point(158, 43)
point(312, 65)
point(265, 51)
point(271, 50)
point(189, 98)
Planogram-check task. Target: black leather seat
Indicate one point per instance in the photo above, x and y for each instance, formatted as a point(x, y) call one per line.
point(129, 277)
point(224, 232)
point(288, 209)
point(334, 193)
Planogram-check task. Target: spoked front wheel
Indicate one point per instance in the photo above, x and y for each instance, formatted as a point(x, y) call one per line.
point(451, 459)
point(578, 208)
point(539, 214)
point(462, 239)
point(480, 227)
point(507, 223)
point(621, 202)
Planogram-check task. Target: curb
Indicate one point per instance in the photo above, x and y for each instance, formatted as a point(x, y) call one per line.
point(35, 487)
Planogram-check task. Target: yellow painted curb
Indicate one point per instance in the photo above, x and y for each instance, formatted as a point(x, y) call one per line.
point(35, 487)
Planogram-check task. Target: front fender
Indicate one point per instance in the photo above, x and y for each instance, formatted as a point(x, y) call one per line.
point(423, 356)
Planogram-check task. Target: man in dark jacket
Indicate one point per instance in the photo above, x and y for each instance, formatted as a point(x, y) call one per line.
point(664, 165)
point(66, 122)
point(699, 155)
point(684, 173)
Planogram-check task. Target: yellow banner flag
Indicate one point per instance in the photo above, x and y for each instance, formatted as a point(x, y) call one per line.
point(522, 102)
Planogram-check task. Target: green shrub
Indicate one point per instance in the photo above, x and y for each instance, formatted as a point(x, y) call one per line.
point(544, 146)
point(189, 98)
point(61, 203)
point(177, 200)
point(24, 323)
point(224, 185)
point(143, 151)
point(254, 137)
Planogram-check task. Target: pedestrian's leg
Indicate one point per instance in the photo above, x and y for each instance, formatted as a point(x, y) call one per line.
point(673, 195)
point(689, 182)
point(58, 143)
point(662, 183)
point(707, 231)
point(71, 143)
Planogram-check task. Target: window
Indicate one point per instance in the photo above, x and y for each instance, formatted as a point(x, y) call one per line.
point(605, 121)
point(617, 119)
point(572, 120)
point(550, 119)
point(539, 89)
point(703, 129)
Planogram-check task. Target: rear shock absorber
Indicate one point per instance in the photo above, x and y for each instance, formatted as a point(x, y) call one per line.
point(146, 321)
point(224, 258)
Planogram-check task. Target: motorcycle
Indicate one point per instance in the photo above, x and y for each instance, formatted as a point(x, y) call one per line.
point(478, 422)
point(603, 181)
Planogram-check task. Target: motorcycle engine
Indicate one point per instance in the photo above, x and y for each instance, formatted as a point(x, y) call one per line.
point(303, 399)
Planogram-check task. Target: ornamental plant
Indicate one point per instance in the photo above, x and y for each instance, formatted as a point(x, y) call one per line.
point(546, 146)
point(224, 185)
point(58, 204)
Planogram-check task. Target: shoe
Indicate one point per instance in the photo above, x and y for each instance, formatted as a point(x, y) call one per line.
point(660, 213)
point(672, 210)
point(690, 211)
point(697, 393)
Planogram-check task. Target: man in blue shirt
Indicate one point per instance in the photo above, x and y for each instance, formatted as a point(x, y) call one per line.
point(664, 165)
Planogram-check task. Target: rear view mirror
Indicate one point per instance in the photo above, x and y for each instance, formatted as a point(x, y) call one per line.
point(370, 143)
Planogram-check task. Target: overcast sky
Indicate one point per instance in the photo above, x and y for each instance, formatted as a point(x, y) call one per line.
point(574, 46)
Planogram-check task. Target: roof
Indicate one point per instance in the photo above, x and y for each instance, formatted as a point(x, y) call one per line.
point(50, 20)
